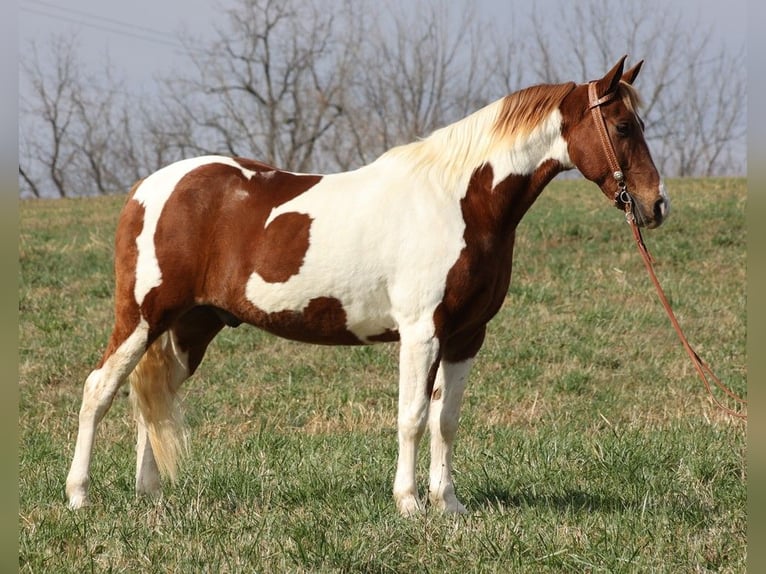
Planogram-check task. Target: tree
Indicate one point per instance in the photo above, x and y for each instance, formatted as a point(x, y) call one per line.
point(269, 86)
point(46, 117)
point(306, 88)
point(416, 71)
point(688, 85)
point(78, 134)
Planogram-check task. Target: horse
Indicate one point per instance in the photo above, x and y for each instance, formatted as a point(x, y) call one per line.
point(415, 247)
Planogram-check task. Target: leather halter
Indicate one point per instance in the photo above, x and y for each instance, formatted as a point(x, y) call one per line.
point(594, 104)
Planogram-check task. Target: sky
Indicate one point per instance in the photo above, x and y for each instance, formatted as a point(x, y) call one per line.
point(139, 37)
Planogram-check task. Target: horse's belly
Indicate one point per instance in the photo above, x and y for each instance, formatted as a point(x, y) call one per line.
point(302, 313)
point(296, 327)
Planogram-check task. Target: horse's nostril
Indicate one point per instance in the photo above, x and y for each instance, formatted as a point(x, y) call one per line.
point(660, 209)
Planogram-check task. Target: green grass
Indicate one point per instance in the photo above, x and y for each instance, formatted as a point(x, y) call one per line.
point(587, 444)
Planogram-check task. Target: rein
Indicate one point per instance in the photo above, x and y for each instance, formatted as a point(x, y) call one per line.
point(622, 196)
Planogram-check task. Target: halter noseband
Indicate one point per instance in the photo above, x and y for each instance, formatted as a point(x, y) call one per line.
point(594, 104)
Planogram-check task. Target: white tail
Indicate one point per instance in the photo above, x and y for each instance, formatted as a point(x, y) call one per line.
point(154, 384)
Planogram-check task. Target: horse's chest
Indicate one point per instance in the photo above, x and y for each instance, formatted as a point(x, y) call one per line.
point(477, 283)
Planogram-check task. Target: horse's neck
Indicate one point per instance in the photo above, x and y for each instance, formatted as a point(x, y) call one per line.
point(512, 154)
point(497, 207)
point(493, 180)
point(506, 184)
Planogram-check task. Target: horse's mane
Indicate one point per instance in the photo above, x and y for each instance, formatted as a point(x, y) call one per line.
point(464, 145)
point(630, 97)
point(522, 111)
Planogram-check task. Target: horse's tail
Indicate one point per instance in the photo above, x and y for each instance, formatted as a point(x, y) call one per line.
point(153, 391)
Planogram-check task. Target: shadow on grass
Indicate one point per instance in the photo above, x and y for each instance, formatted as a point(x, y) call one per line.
point(685, 507)
point(572, 500)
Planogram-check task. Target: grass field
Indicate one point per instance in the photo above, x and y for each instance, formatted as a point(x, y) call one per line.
point(586, 444)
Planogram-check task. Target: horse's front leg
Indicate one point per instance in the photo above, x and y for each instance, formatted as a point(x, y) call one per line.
point(446, 398)
point(418, 362)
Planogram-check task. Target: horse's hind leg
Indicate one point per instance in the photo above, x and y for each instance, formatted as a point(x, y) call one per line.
point(170, 360)
point(154, 383)
point(98, 393)
point(147, 473)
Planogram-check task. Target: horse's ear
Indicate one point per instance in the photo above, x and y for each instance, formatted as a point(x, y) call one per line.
point(611, 80)
point(630, 75)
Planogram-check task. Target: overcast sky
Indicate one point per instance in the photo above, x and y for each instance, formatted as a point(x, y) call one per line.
point(139, 36)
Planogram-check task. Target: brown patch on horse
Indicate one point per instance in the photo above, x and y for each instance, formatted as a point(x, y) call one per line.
point(193, 332)
point(127, 313)
point(477, 283)
point(282, 247)
point(199, 268)
point(387, 336)
point(322, 321)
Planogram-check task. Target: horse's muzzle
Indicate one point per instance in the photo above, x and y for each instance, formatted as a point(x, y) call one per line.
point(652, 215)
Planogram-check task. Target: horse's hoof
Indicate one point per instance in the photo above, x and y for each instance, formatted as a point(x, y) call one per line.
point(409, 506)
point(77, 501)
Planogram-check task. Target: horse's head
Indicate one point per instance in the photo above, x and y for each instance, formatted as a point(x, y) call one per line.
point(605, 141)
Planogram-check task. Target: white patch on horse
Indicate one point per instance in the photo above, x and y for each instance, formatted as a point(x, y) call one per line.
point(383, 273)
point(544, 143)
point(153, 193)
point(98, 393)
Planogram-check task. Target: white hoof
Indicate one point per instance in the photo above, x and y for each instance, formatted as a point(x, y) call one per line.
point(448, 504)
point(77, 501)
point(409, 506)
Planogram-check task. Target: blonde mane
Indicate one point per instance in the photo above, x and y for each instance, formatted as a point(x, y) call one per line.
point(455, 150)
point(630, 97)
point(522, 111)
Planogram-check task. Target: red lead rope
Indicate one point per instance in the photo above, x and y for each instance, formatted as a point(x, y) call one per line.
point(704, 371)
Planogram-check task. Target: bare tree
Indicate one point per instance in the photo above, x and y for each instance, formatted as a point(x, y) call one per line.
point(79, 136)
point(102, 138)
point(688, 85)
point(269, 86)
point(417, 70)
point(309, 87)
point(705, 124)
point(46, 119)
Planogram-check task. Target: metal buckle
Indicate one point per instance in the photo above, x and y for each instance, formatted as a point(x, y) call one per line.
point(624, 196)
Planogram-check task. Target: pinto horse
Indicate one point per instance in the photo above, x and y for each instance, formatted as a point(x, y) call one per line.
point(414, 247)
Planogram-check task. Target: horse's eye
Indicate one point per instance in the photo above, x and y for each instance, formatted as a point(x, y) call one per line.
point(624, 128)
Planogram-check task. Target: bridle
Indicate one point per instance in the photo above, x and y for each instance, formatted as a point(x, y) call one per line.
point(622, 196)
